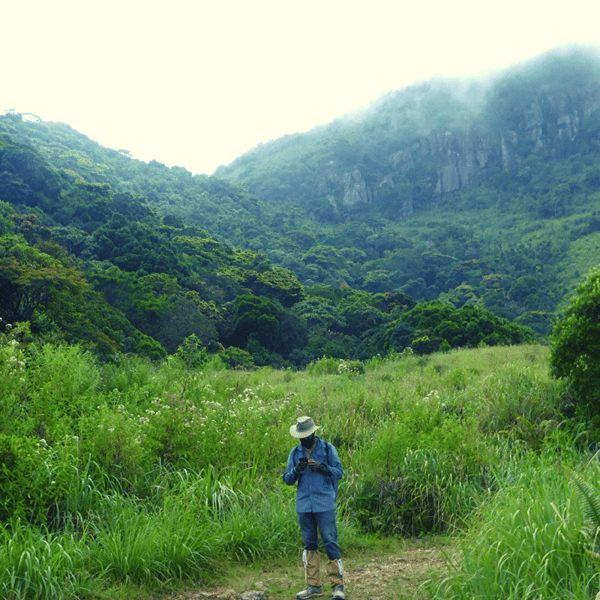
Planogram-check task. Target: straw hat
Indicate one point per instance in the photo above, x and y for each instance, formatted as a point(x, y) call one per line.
point(304, 427)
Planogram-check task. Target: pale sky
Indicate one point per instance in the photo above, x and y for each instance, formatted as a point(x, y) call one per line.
point(196, 83)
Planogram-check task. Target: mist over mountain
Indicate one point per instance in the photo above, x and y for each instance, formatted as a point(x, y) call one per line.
point(431, 139)
point(452, 212)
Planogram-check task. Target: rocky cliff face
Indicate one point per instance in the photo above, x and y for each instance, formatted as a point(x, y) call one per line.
point(554, 125)
point(344, 188)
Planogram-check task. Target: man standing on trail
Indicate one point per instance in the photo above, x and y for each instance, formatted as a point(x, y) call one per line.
point(315, 465)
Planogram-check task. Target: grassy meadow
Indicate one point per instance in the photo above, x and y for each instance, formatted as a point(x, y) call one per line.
point(140, 476)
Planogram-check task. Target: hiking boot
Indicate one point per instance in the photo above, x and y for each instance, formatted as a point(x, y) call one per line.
point(338, 593)
point(311, 591)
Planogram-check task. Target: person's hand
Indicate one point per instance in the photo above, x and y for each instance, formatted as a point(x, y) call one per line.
point(320, 467)
point(324, 469)
point(301, 465)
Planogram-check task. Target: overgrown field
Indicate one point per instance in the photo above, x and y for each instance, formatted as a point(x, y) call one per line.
point(139, 474)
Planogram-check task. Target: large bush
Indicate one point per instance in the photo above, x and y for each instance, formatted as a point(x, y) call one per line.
point(576, 346)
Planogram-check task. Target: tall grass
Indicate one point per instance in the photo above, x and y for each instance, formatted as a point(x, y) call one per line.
point(151, 472)
point(530, 540)
point(145, 543)
point(430, 493)
point(189, 525)
point(37, 565)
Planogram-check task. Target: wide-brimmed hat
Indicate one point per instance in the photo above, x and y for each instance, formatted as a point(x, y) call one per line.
point(304, 427)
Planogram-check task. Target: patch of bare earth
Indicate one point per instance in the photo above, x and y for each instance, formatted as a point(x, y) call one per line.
point(395, 576)
point(367, 577)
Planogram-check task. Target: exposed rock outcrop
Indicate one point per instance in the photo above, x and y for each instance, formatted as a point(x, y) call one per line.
point(345, 187)
point(444, 162)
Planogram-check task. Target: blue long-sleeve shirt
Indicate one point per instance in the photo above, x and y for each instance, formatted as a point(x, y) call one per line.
point(316, 492)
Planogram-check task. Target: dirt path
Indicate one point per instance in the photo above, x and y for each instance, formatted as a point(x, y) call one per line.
point(396, 576)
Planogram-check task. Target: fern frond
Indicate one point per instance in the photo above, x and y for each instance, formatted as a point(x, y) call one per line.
point(590, 497)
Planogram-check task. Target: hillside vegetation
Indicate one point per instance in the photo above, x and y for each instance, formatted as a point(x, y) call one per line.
point(86, 258)
point(476, 190)
point(318, 244)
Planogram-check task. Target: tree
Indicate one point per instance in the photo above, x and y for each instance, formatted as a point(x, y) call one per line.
point(377, 281)
point(257, 316)
point(6, 218)
point(319, 313)
point(396, 336)
point(465, 326)
point(30, 279)
point(278, 283)
point(576, 346)
point(359, 314)
point(523, 287)
point(324, 256)
point(133, 246)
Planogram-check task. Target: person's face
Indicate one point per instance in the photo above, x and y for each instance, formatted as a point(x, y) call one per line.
point(307, 442)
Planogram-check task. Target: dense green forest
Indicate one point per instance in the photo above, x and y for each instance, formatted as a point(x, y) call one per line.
point(349, 241)
point(478, 190)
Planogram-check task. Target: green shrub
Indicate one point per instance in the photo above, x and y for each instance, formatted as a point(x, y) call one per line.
point(13, 387)
point(335, 366)
point(191, 352)
point(350, 367)
point(236, 357)
point(323, 366)
point(175, 429)
point(576, 346)
point(424, 424)
point(516, 392)
point(134, 377)
point(430, 492)
point(113, 437)
point(61, 384)
point(33, 476)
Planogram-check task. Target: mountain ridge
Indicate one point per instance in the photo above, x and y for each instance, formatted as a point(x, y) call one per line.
point(553, 113)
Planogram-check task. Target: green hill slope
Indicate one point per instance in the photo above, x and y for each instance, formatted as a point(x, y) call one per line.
point(465, 190)
point(126, 256)
point(480, 196)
